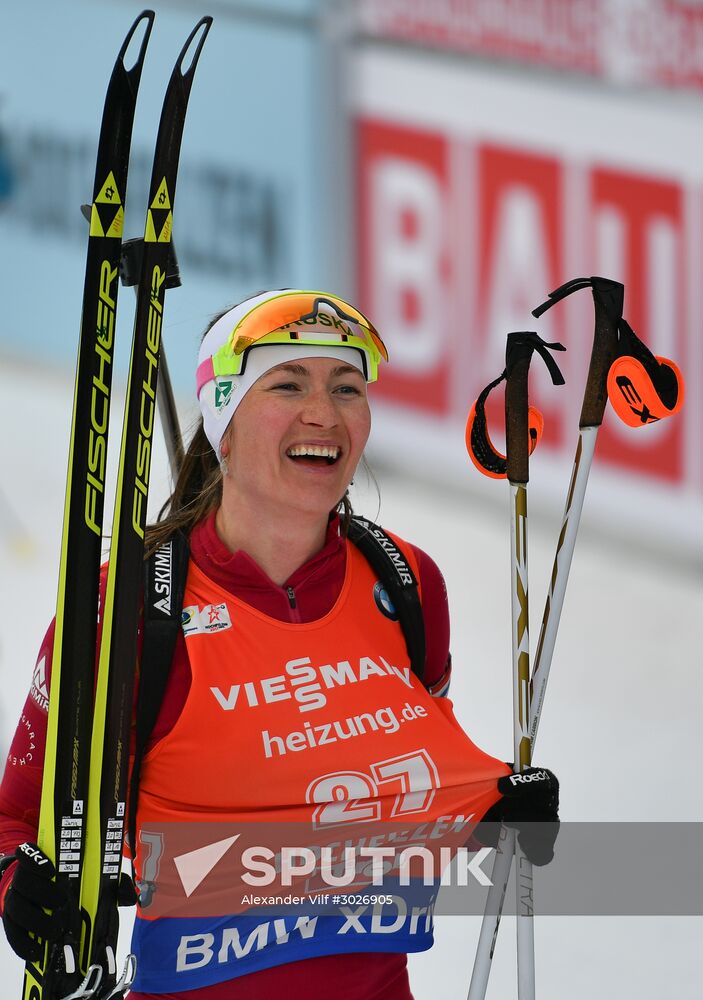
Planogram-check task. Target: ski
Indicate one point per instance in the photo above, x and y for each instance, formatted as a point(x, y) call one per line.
point(110, 740)
point(65, 779)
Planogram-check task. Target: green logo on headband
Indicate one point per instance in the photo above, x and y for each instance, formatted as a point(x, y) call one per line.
point(223, 393)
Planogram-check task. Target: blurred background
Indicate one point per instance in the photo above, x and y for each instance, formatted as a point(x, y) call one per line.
point(445, 165)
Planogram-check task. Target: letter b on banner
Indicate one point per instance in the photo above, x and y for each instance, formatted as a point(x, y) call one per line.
point(406, 239)
point(403, 262)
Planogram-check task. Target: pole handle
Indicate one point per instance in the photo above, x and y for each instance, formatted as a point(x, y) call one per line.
point(519, 349)
point(518, 357)
point(608, 300)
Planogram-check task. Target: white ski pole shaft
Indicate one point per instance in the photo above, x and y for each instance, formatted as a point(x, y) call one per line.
point(560, 574)
point(545, 649)
point(508, 846)
point(521, 741)
point(488, 936)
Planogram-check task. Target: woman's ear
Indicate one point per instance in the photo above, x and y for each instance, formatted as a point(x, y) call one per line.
point(225, 450)
point(225, 446)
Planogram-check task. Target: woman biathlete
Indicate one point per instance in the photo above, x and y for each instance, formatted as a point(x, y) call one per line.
point(290, 698)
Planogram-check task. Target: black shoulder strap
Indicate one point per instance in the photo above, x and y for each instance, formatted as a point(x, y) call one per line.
point(164, 587)
point(394, 571)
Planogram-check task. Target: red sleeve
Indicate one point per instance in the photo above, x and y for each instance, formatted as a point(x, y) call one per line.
point(435, 612)
point(20, 789)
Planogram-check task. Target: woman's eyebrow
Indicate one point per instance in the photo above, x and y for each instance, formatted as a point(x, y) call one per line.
point(292, 367)
point(295, 368)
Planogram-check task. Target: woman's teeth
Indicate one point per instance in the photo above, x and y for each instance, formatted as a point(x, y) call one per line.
point(330, 452)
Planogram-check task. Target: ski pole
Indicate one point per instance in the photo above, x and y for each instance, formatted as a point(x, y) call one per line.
point(517, 456)
point(518, 357)
point(523, 430)
point(622, 369)
point(608, 301)
point(642, 388)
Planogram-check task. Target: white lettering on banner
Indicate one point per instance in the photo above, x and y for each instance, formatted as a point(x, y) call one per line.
point(196, 950)
point(197, 945)
point(304, 683)
point(341, 729)
point(646, 41)
point(407, 214)
point(609, 226)
point(379, 927)
point(664, 260)
point(230, 939)
point(518, 267)
point(352, 919)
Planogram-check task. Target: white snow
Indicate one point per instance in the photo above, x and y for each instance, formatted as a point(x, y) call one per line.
point(622, 716)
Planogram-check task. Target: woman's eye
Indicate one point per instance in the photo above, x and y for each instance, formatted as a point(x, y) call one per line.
point(350, 390)
point(285, 386)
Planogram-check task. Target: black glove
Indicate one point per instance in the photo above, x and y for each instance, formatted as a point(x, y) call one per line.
point(529, 804)
point(31, 892)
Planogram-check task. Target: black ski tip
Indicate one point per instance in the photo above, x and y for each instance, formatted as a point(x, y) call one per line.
point(203, 26)
point(146, 18)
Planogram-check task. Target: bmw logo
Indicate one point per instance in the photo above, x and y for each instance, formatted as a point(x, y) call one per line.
point(383, 602)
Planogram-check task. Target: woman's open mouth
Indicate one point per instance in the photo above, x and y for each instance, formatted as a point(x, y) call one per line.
point(314, 454)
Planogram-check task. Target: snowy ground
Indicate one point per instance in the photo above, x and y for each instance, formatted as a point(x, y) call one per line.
point(622, 719)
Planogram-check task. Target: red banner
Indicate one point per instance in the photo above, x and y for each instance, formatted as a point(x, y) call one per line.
point(403, 197)
point(655, 42)
point(446, 302)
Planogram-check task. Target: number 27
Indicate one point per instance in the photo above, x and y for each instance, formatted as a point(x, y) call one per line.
point(354, 796)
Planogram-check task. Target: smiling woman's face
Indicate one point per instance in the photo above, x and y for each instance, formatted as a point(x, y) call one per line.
point(297, 436)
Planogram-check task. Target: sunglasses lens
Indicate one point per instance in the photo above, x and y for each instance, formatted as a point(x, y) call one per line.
point(300, 308)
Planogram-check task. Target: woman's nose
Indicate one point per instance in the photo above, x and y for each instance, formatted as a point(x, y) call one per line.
point(319, 409)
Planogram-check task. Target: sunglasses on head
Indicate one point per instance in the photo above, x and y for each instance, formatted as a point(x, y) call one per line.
point(312, 318)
